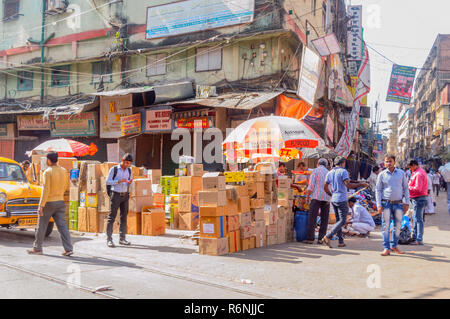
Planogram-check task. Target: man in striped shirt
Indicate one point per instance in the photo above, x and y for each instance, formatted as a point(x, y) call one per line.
point(319, 200)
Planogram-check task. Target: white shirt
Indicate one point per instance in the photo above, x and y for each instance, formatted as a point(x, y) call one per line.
point(361, 215)
point(372, 180)
point(445, 172)
point(435, 179)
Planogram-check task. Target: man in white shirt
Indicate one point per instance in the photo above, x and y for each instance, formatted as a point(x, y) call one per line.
point(436, 185)
point(445, 172)
point(361, 222)
point(372, 180)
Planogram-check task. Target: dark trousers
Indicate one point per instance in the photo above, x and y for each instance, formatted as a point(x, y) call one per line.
point(341, 212)
point(436, 189)
point(312, 218)
point(118, 201)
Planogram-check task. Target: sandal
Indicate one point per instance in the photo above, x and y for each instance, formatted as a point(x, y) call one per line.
point(34, 252)
point(67, 253)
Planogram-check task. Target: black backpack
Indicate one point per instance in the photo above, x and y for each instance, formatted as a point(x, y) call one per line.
point(108, 187)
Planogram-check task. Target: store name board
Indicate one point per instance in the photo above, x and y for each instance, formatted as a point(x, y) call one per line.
point(32, 123)
point(131, 124)
point(158, 120)
point(190, 16)
point(112, 109)
point(202, 122)
point(84, 124)
point(354, 35)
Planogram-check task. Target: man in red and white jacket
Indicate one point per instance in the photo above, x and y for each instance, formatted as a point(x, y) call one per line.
point(418, 192)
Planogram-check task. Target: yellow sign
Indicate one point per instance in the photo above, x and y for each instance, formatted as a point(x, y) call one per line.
point(234, 177)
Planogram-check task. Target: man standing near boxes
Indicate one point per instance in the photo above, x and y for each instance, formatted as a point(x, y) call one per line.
point(52, 205)
point(119, 179)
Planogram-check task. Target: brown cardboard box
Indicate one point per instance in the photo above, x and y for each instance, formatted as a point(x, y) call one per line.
point(93, 226)
point(244, 204)
point(245, 219)
point(137, 203)
point(271, 240)
point(189, 185)
point(260, 227)
point(153, 223)
point(213, 246)
point(258, 214)
point(213, 181)
point(195, 204)
point(185, 203)
point(105, 167)
point(92, 186)
point(253, 176)
point(102, 186)
point(134, 223)
point(158, 199)
point(103, 222)
point(281, 231)
point(213, 227)
point(284, 182)
point(91, 200)
point(103, 203)
point(247, 231)
point(141, 187)
point(260, 240)
point(252, 243)
point(256, 188)
point(231, 208)
point(234, 241)
point(195, 170)
point(135, 170)
point(212, 198)
point(242, 190)
point(271, 230)
point(74, 194)
point(283, 202)
point(155, 175)
point(256, 203)
point(233, 223)
point(83, 220)
point(281, 212)
point(67, 162)
point(93, 171)
point(188, 221)
point(212, 211)
point(283, 193)
point(245, 243)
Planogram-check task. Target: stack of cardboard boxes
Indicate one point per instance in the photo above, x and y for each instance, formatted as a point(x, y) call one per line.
point(189, 187)
point(285, 203)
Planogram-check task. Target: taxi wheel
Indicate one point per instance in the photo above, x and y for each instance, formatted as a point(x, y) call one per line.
point(49, 229)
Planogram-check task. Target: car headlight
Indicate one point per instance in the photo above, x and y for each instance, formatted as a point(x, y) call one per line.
point(2, 198)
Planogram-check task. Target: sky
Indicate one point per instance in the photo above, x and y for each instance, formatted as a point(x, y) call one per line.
point(404, 31)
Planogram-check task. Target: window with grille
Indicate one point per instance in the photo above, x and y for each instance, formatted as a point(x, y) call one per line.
point(10, 9)
point(61, 76)
point(208, 59)
point(24, 81)
point(99, 69)
point(156, 64)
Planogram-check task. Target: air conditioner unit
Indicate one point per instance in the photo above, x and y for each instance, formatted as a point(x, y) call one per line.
point(56, 5)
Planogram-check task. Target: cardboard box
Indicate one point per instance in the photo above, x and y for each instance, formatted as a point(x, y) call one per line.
point(253, 176)
point(102, 184)
point(67, 162)
point(234, 177)
point(213, 181)
point(103, 202)
point(271, 240)
point(231, 208)
point(260, 240)
point(93, 171)
point(284, 202)
point(245, 219)
point(241, 190)
point(158, 199)
point(105, 168)
point(281, 212)
point(283, 193)
point(74, 195)
point(234, 241)
point(134, 223)
point(284, 182)
point(136, 204)
point(135, 170)
point(252, 242)
point(153, 223)
point(244, 204)
point(260, 226)
point(91, 200)
point(92, 186)
point(245, 243)
point(256, 188)
point(188, 221)
point(233, 223)
point(195, 204)
point(212, 211)
point(141, 187)
point(212, 198)
point(247, 231)
point(213, 246)
point(93, 225)
point(185, 203)
point(258, 214)
point(256, 203)
point(271, 230)
point(281, 231)
point(82, 199)
point(213, 227)
point(195, 170)
point(103, 222)
point(83, 220)
point(189, 185)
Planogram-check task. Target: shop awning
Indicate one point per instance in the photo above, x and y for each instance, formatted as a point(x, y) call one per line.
point(80, 106)
point(240, 101)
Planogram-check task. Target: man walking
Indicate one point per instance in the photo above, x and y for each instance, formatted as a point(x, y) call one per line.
point(418, 192)
point(391, 189)
point(436, 182)
point(52, 205)
point(339, 180)
point(445, 174)
point(319, 200)
point(119, 179)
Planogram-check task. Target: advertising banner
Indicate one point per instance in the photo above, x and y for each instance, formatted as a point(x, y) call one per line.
point(83, 124)
point(202, 122)
point(189, 16)
point(337, 88)
point(309, 75)
point(131, 124)
point(354, 33)
point(32, 123)
point(330, 128)
point(112, 108)
point(157, 120)
point(401, 84)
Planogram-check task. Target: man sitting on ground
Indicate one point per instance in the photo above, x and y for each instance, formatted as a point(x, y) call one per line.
point(361, 222)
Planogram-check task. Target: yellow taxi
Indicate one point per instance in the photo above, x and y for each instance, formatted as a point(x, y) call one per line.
point(19, 200)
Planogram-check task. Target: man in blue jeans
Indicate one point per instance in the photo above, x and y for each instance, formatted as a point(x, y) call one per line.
point(418, 192)
point(339, 180)
point(391, 190)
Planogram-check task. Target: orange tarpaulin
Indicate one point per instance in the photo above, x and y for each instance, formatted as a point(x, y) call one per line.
point(290, 107)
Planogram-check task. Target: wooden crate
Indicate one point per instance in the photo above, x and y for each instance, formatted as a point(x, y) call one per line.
point(134, 223)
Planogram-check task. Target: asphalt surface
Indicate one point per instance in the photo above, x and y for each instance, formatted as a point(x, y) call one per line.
point(170, 267)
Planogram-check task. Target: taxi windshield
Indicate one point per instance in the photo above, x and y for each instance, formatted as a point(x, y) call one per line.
point(11, 172)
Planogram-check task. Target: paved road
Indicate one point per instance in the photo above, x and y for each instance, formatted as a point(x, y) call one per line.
point(170, 267)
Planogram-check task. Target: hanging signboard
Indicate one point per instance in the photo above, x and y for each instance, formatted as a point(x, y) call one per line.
point(337, 88)
point(190, 16)
point(204, 123)
point(354, 33)
point(309, 76)
point(131, 124)
point(32, 123)
point(330, 128)
point(401, 84)
point(112, 108)
point(83, 124)
point(157, 120)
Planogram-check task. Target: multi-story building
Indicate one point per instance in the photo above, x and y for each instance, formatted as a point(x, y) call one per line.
point(431, 138)
point(393, 137)
point(405, 127)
